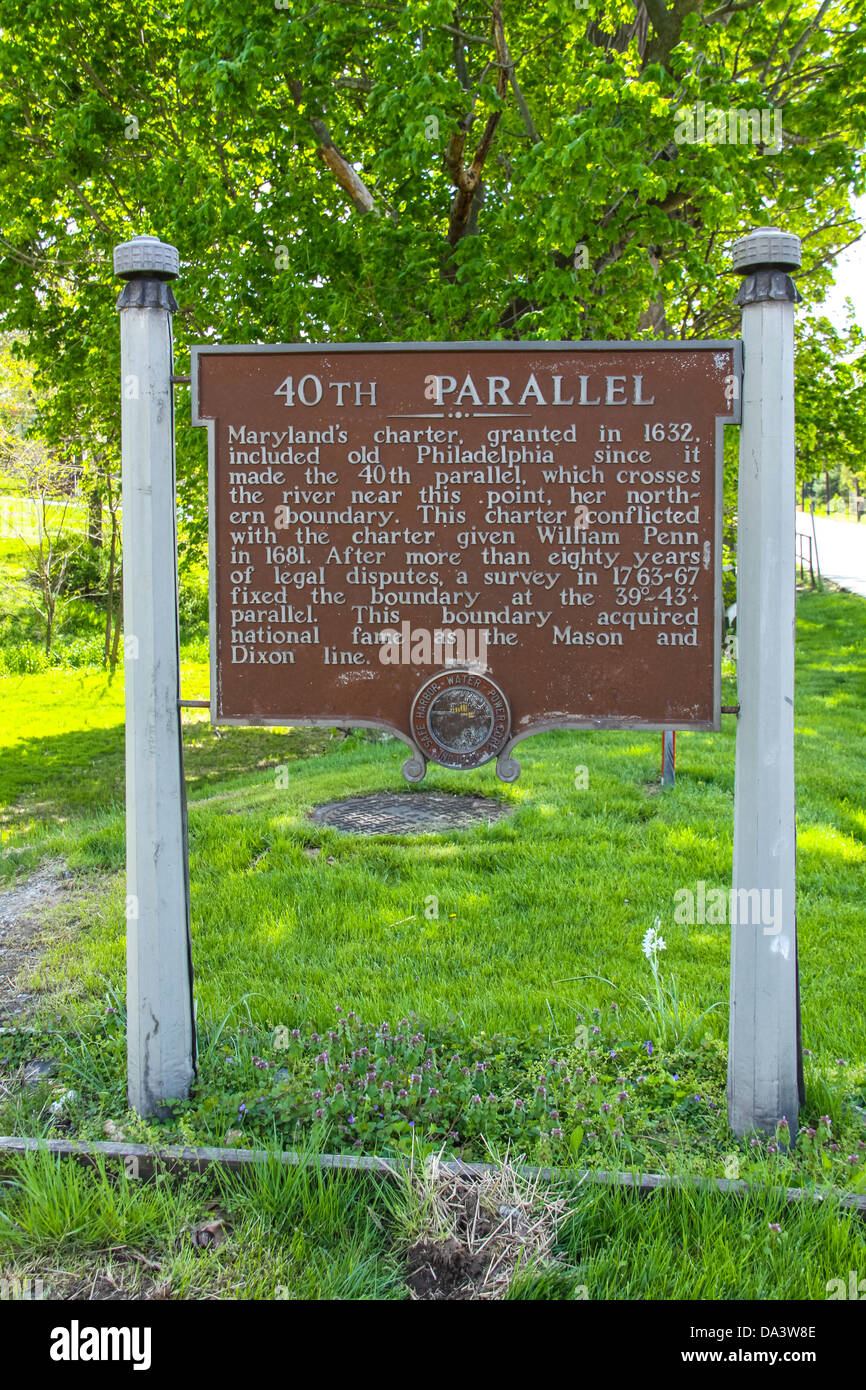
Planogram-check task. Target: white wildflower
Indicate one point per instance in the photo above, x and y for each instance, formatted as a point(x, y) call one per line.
point(652, 942)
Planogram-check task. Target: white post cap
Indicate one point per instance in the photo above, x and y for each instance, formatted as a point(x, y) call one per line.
point(146, 255)
point(766, 248)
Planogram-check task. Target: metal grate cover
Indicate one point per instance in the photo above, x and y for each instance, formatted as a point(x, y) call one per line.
point(408, 813)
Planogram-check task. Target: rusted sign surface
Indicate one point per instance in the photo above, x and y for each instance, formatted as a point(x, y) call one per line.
point(463, 543)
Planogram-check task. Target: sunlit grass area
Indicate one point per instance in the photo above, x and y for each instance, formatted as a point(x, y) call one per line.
point(500, 941)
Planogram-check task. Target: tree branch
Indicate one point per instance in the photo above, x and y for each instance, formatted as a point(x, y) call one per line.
point(347, 177)
point(799, 46)
point(467, 180)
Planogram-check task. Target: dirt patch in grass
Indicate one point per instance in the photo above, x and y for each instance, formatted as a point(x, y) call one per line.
point(105, 1277)
point(479, 1231)
point(24, 909)
point(444, 1270)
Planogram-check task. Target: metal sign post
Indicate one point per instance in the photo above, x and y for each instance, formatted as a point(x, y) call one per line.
point(160, 1028)
point(764, 1066)
point(669, 758)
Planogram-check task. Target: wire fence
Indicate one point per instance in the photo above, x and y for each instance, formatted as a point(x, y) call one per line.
point(21, 517)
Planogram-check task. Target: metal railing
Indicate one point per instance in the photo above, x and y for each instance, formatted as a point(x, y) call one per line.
point(807, 555)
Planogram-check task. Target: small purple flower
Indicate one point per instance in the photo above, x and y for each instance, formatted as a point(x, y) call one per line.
point(556, 1133)
point(649, 1048)
point(622, 1095)
point(320, 1114)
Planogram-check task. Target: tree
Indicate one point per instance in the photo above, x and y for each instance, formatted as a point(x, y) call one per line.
point(46, 477)
point(831, 404)
point(47, 481)
point(409, 169)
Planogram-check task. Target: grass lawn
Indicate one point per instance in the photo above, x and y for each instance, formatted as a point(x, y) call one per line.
point(273, 1233)
point(505, 960)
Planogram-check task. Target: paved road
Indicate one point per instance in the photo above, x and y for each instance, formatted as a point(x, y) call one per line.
point(841, 550)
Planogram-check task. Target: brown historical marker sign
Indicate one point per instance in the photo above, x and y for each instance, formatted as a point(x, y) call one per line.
point(466, 543)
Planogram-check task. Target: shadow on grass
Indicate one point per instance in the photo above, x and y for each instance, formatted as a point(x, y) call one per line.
point(81, 771)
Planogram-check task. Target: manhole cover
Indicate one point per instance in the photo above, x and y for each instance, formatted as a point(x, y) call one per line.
point(408, 813)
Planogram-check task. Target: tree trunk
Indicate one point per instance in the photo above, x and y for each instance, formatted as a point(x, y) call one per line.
point(118, 622)
point(109, 605)
point(94, 519)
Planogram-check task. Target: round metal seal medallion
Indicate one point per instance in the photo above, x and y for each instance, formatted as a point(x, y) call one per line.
point(460, 720)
